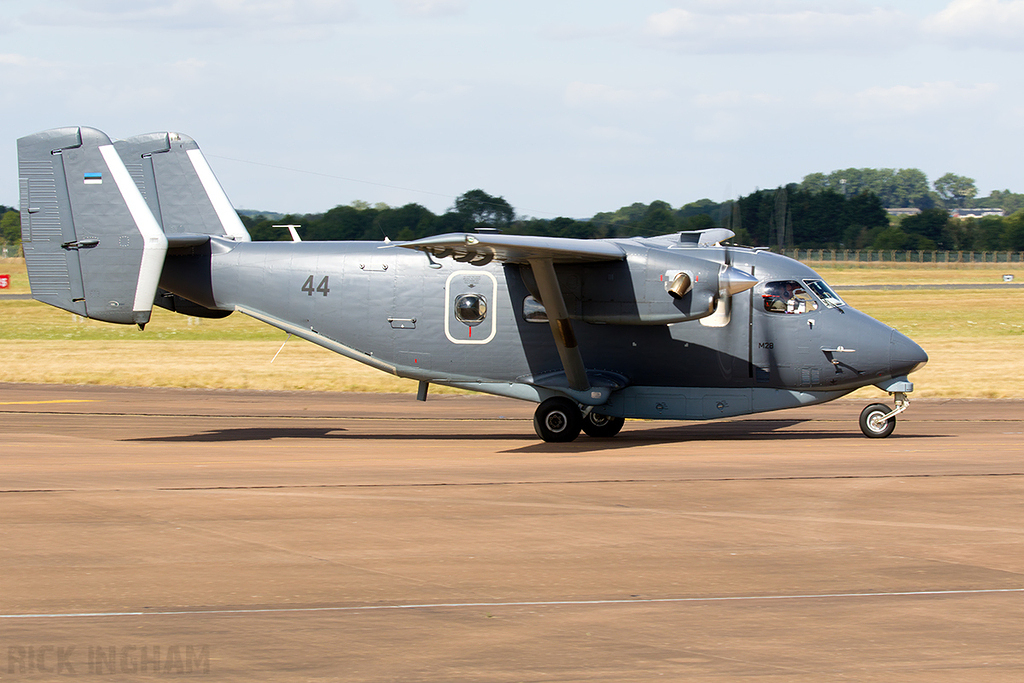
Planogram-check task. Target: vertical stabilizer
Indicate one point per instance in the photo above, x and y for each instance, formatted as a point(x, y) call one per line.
point(92, 245)
point(179, 187)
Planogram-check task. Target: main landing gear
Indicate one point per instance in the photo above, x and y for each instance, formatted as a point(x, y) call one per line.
point(559, 420)
point(877, 421)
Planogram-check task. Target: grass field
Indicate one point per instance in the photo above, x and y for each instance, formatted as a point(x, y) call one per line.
point(974, 339)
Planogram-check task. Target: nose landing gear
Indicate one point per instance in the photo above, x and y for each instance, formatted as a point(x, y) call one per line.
point(877, 421)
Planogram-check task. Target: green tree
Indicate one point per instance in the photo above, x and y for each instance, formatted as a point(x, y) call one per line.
point(700, 221)
point(480, 208)
point(10, 226)
point(988, 233)
point(909, 189)
point(903, 187)
point(815, 182)
point(408, 222)
point(659, 219)
point(930, 228)
point(1013, 232)
point(568, 227)
point(893, 238)
point(956, 190)
point(1005, 200)
point(627, 215)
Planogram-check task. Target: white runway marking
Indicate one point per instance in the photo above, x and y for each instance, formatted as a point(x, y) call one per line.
point(537, 603)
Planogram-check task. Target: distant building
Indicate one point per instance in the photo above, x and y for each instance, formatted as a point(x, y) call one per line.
point(976, 213)
point(902, 212)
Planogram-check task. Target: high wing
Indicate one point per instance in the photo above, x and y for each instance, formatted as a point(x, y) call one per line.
point(693, 283)
point(541, 254)
point(480, 249)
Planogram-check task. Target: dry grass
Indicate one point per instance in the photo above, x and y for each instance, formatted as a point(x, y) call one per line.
point(15, 267)
point(974, 339)
point(195, 364)
point(917, 273)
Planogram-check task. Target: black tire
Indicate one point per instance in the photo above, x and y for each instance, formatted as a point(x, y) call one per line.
point(557, 420)
point(602, 426)
point(869, 421)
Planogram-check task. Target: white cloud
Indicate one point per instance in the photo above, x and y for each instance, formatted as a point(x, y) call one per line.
point(268, 15)
point(363, 88)
point(746, 27)
point(579, 94)
point(16, 60)
point(982, 23)
point(730, 115)
point(443, 95)
point(733, 99)
point(617, 135)
point(433, 8)
point(906, 101)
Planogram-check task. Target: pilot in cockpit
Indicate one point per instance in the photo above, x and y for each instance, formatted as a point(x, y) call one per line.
point(786, 297)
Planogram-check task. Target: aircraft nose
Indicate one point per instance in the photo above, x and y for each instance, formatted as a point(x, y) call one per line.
point(905, 356)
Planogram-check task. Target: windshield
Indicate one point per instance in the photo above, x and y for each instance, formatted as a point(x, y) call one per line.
point(787, 296)
point(824, 292)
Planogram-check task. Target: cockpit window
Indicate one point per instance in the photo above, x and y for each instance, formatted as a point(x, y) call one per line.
point(787, 296)
point(824, 292)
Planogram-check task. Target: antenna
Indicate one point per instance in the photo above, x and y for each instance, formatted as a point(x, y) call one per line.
point(291, 229)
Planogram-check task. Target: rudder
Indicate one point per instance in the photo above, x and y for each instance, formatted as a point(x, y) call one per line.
point(179, 187)
point(92, 245)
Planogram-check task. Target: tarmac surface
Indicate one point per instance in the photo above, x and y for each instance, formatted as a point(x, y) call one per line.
point(276, 536)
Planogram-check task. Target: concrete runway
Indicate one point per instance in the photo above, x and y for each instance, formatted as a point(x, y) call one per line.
point(239, 536)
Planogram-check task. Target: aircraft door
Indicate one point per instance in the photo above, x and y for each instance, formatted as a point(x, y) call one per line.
point(470, 300)
point(785, 336)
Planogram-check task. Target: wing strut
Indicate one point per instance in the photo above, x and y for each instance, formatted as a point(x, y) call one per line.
point(561, 326)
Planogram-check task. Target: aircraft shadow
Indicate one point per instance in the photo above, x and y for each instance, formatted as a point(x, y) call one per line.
point(319, 433)
point(746, 430)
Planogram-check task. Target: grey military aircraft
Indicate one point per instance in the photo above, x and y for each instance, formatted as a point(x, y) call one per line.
point(680, 327)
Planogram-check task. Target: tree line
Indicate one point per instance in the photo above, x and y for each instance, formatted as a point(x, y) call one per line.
point(787, 217)
point(10, 225)
point(844, 209)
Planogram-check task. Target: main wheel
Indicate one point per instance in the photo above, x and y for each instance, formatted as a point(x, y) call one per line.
point(557, 419)
point(872, 424)
point(598, 425)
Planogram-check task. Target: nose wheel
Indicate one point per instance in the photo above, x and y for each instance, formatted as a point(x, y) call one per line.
point(878, 421)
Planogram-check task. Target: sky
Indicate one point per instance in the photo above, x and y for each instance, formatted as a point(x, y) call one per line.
point(562, 107)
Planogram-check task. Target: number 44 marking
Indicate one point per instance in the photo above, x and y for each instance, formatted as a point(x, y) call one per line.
point(307, 286)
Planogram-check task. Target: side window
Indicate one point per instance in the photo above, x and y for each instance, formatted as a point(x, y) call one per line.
point(470, 309)
point(533, 311)
point(787, 297)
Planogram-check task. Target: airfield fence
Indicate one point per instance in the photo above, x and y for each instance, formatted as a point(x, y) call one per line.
point(937, 257)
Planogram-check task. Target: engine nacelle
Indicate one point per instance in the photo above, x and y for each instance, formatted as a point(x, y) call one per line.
point(649, 287)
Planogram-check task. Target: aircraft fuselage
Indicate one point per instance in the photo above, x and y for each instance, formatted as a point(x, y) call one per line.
point(398, 310)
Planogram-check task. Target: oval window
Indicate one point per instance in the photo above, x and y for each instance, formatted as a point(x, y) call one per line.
point(470, 309)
